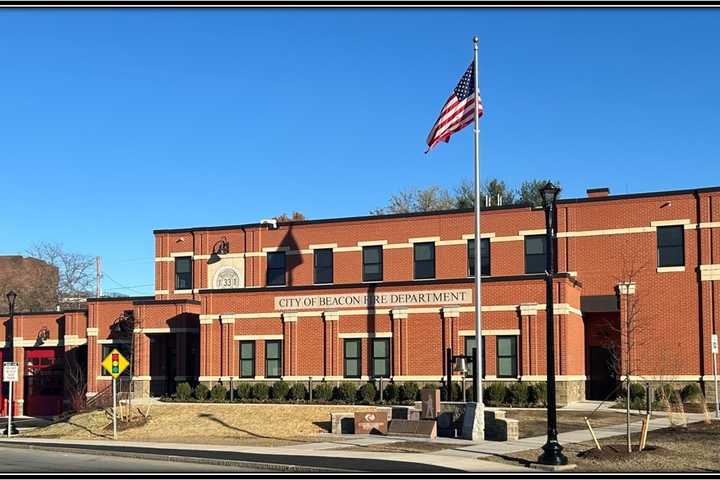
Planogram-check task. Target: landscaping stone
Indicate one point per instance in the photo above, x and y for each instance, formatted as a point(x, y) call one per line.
point(371, 422)
point(342, 423)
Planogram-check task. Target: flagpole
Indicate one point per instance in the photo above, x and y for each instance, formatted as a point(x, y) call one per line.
point(478, 431)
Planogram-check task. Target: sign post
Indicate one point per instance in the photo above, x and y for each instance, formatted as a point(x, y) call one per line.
point(10, 375)
point(115, 363)
point(714, 345)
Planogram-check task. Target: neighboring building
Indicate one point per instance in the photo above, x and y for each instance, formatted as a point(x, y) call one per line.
point(35, 282)
point(384, 296)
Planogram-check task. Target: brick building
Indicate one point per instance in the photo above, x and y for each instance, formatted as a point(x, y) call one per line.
point(384, 296)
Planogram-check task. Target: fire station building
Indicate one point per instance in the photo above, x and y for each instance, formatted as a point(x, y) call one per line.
point(383, 296)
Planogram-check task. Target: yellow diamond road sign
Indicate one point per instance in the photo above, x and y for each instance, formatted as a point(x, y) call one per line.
point(115, 363)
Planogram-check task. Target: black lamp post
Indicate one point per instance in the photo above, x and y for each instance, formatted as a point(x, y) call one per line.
point(552, 450)
point(11, 296)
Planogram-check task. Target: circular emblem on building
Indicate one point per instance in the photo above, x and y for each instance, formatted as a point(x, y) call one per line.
point(227, 277)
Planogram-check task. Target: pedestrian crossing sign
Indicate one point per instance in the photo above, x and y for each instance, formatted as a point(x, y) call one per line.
point(115, 363)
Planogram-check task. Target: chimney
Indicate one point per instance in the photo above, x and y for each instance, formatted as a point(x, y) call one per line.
point(597, 192)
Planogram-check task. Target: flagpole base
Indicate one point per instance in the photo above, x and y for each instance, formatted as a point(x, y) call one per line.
point(474, 422)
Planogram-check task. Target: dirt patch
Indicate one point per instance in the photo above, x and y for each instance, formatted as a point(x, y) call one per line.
point(533, 423)
point(122, 426)
point(620, 452)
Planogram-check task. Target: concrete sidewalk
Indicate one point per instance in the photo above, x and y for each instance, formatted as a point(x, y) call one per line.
point(310, 457)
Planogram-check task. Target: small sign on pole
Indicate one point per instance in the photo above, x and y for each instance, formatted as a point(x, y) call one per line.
point(115, 363)
point(10, 375)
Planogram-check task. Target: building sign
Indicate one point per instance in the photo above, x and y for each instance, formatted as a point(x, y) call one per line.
point(371, 422)
point(227, 277)
point(10, 371)
point(387, 299)
point(714, 343)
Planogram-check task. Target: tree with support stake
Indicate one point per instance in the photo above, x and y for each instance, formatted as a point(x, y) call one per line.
point(115, 363)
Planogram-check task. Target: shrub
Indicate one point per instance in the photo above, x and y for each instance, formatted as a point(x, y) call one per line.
point(430, 386)
point(260, 391)
point(202, 392)
point(517, 394)
point(456, 391)
point(346, 392)
point(470, 393)
point(391, 393)
point(666, 393)
point(494, 394)
point(637, 392)
point(409, 391)
point(323, 392)
point(691, 393)
point(218, 393)
point(244, 391)
point(297, 392)
point(280, 390)
point(537, 393)
point(366, 393)
point(183, 391)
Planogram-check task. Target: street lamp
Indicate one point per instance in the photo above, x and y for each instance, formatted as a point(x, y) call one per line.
point(11, 296)
point(552, 450)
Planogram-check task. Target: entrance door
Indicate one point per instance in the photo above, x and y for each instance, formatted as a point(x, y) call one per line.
point(602, 377)
point(44, 372)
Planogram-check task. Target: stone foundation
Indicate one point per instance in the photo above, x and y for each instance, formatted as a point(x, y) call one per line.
point(569, 391)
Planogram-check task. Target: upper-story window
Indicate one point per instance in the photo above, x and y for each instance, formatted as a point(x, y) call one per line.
point(535, 254)
point(323, 265)
point(276, 268)
point(183, 273)
point(671, 246)
point(484, 257)
point(372, 263)
point(424, 255)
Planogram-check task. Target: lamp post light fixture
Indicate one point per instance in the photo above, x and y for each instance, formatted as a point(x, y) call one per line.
point(11, 296)
point(552, 450)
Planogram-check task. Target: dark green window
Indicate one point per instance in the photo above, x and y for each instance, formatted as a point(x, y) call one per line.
point(372, 263)
point(247, 359)
point(671, 246)
point(507, 356)
point(484, 257)
point(273, 358)
point(183, 273)
point(276, 268)
point(381, 357)
point(535, 254)
point(352, 358)
point(424, 256)
point(323, 265)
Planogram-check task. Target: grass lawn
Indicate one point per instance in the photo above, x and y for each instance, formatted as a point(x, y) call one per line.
point(676, 449)
point(223, 424)
point(534, 422)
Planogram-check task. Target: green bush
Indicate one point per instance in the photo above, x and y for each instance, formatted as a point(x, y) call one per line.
point(666, 393)
point(470, 393)
point(537, 394)
point(637, 392)
point(409, 391)
point(218, 393)
point(691, 393)
point(366, 393)
point(280, 390)
point(260, 391)
point(430, 386)
point(391, 393)
point(517, 394)
point(298, 392)
point(183, 391)
point(456, 391)
point(202, 392)
point(494, 394)
point(346, 392)
point(244, 391)
point(323, 392)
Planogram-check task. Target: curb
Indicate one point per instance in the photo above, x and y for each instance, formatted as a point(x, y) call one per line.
point(180, 459)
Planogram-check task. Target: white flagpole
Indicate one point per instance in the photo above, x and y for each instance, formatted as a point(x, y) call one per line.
point(478, 432)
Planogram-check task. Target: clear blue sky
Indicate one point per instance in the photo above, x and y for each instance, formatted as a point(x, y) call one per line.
point(116, 122)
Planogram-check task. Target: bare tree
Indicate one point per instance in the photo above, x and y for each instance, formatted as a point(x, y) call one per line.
point(296, 217)
point(76, 271)
point(75, 380)
point(429, 199)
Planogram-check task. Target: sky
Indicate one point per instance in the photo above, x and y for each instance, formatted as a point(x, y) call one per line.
point(115, 122)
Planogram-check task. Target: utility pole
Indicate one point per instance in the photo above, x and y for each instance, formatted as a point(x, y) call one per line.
point(98, 277)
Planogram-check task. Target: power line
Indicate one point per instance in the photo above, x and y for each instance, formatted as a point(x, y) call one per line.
point(124, 287)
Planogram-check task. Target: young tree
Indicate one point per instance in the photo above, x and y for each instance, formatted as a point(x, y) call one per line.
point(430, 199)
point(296, 217)
point(529, 191)
point(77, 276)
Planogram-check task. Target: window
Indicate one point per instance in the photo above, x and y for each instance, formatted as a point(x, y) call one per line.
point(381, 357)
point(276, 268)
point(484, 257)
point(535, 254)
point(273, 358)
point(671, 246)
point(424, 254)
point(183, 273)
point(123, 348)
point(372, 263)
point(247, 359)
point(324, 265)
point(352, 358)
point(507, 356)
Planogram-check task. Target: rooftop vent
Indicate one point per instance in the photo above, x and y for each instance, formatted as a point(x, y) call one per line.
point(597, 192)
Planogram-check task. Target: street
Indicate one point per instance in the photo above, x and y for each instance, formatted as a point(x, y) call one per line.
point(26, 460)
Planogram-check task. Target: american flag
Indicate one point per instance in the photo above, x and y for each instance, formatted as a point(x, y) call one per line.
point(458, 112)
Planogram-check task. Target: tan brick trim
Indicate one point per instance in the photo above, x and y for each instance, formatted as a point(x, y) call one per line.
point(321, 246)
point(372, 243)
point(451, 312)
point(331, 316)
point(671, 269)
point(525, 233)
point(181, 254)
point(259, 337)
point(489, 333)
point(168, 330)
point(399, 313)
point(288, 317)
point(91, 332)
point(423, 239)
point(665, 223)
point(366, 335)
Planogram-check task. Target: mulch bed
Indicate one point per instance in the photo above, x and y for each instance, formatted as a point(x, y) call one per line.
point(620, 452)
point(135, 422)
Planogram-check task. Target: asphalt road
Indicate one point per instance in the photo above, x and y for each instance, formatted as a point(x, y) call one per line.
point(19, 460)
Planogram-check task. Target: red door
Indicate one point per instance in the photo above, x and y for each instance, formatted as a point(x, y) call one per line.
point(44, 381)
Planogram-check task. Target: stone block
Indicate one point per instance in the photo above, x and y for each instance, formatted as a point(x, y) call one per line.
point(430, 403)
point(413, 428)
point(371, 422)
point(499, 428)
point(342, 423)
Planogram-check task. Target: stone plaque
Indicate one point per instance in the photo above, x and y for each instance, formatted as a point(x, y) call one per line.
point(430, 403)
point(371, 422)
point(227, 277)
point(414, 428)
